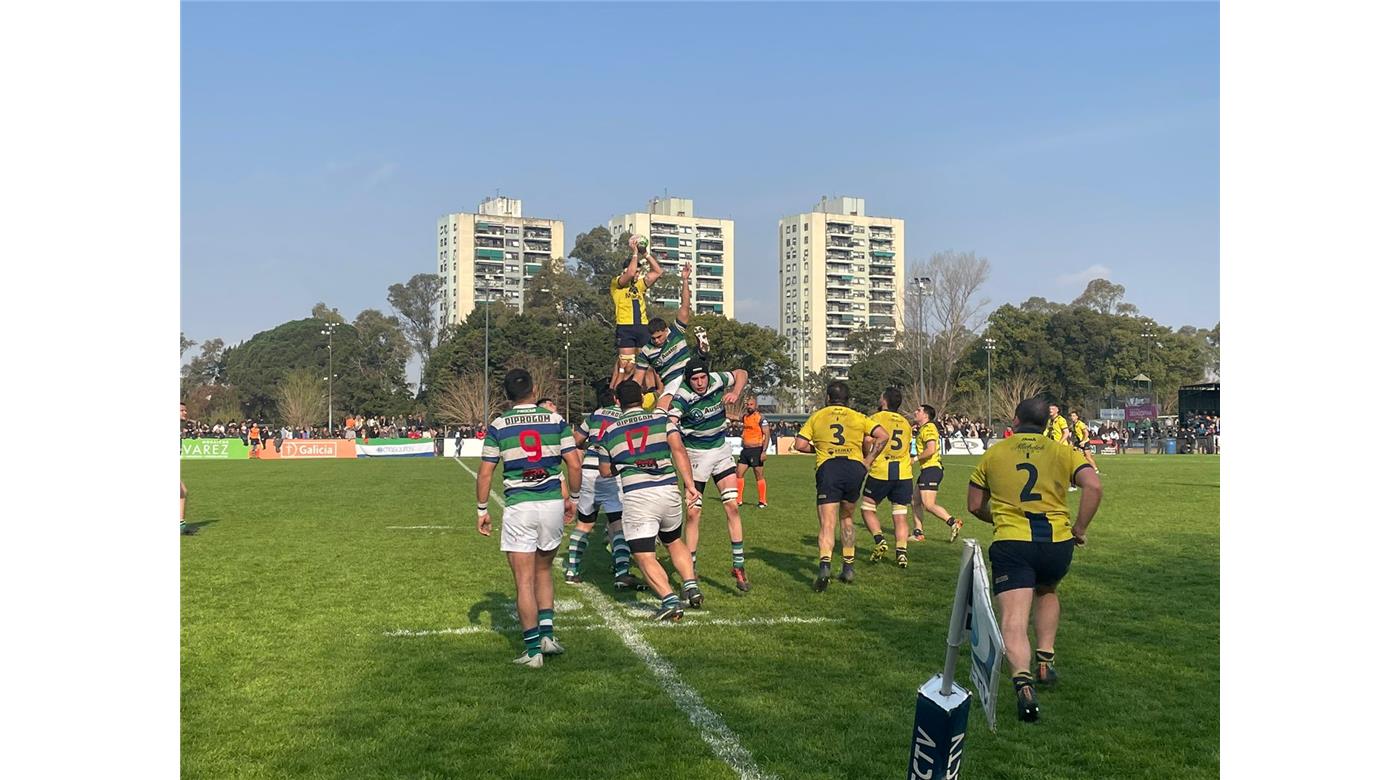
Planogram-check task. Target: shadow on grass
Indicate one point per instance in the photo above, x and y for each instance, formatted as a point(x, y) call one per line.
point(498, 608)
point(802, 568)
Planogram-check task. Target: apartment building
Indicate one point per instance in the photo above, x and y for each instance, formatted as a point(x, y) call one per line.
point(678, 236)
point(838, 270)
point(492, 254)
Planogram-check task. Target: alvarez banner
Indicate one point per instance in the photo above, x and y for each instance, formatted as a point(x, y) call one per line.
point(987, 645)
point(307, 449)
point(213, 449)
point(395, 448)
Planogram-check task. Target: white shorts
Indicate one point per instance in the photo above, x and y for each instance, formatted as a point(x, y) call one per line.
point(709, 464)
point(531, 526)
point(649, 511)
point(598, 493)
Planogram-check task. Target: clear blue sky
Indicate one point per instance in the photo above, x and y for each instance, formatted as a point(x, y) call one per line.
point(321, 142)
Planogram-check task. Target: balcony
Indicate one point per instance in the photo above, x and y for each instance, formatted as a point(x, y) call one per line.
point(702, 245)
point(881, 270)
point(663, 229)
point(670, 242)
point(490, 255)
point(839, 228)
point(710, 296)
point(710, 308)
point(538, 246)
point(709, 270)
point(487, 229)
point(877, 320)
point(491, 242)
point(703, 232)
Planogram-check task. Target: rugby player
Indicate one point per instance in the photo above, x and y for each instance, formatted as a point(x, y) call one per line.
point(930, 456)
point(892, 477)
point(185, 530)
point(699, 411)
point(537, 448)
point(1019, 487)
point(645, 450)
point(599, 493)
point(1056, 428)
point(628, 291)
point(846, 442)
point(667, 351)
point(754, 450)
point(1079, 437)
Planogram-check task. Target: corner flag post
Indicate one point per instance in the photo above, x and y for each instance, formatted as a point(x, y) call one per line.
point(940, 716)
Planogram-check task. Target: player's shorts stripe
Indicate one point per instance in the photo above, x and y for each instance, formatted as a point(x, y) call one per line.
point(642, 485)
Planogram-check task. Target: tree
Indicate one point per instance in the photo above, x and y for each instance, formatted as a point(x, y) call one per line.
point(757, 349)
point(301, 398)
point(213, 403)
point(1012, 390)
point(1038, 304)
point(185, 344)
point(417, 305)
point(325, 313)
point(601, 257)
point(956, 312)
point(206, 368)
point(1102, 296)
point(458, 400)
point(869, 377)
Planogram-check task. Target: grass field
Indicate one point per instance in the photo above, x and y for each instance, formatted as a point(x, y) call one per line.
point(309, 594)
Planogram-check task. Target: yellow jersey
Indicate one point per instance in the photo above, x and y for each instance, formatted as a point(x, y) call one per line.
point(837, 432)
point(629, 301)
point(1056, 428)
point(929, 433)
point(1028, 477)
point(893, 462)
point(1080, 435)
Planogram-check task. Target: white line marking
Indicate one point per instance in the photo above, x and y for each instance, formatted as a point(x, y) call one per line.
point(723, 742)
point(422, 527)
point(585, 623)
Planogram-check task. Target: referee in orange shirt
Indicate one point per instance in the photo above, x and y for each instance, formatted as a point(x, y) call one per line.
point(754, 450)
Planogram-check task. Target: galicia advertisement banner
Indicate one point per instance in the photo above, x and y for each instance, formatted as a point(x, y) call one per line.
point(987, 647)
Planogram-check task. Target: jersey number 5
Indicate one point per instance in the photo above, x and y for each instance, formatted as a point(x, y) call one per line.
point(1031, 475)
point(895, 442)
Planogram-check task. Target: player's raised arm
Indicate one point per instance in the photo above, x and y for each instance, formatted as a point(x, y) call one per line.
point(654, 272)
point(683, 318)
point(630, 272)
point(741, 380)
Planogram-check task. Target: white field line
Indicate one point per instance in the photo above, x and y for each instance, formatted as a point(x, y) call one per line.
point(723, 742)
point(584, 624)
point(423, 527)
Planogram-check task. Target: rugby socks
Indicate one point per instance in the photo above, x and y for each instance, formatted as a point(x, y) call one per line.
point(763, 491)
point(741, 491)
point(848, 556)
point(688, 584)
point(547, 623)
point(901, 552)
point(670, 600)
point(578, 542)
point(622, 555)
point(1021, 680)
point(532, 641)
point(879, 540)
point(1045, 656)
point(737, 550)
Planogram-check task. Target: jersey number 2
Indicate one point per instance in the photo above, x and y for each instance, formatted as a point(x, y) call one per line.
point(1031, 475)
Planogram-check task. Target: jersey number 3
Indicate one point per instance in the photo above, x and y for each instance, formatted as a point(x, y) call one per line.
point(840, 432)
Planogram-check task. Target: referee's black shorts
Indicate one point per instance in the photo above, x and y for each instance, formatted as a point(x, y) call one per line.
point(751, 456)
point(839, 479)
point(1019, 564)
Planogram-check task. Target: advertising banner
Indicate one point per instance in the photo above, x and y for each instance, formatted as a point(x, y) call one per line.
point(1140, 409)
point(395, 448)
point(468, 447)
point(987, 647)
point(958, 445)
point(213, 449)
point(1111, 414)
point(308, 449)
point(940, 729)
point(736, 444)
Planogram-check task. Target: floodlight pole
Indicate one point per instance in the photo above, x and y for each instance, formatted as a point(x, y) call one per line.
point(329, 333)
point(991, 346)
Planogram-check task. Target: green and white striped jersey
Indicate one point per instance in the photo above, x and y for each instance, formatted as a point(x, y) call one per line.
point(669, 359)
point(701, 415)
point(531, 440)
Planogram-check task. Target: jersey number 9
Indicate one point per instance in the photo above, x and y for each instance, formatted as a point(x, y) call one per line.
point(530, 442)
